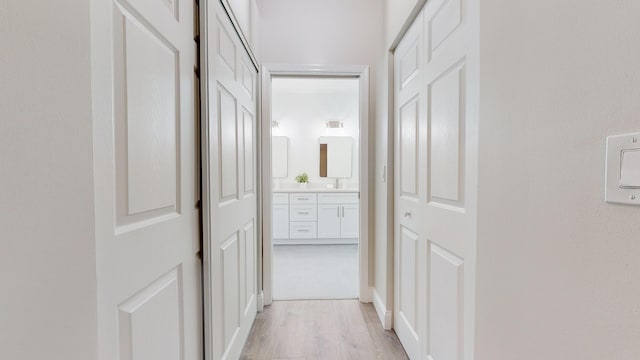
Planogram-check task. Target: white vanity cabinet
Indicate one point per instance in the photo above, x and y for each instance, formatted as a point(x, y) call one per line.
point(321, 217)
point(338, 215)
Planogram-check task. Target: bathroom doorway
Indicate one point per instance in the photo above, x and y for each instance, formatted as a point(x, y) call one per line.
point(314, 244)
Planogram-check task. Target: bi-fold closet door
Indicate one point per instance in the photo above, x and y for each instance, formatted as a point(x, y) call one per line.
point(146, 180)
point(436, 125)
point(230, 228)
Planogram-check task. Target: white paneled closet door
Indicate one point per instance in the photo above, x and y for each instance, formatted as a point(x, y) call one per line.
point(146, 180)
point(436, 115)
point(410, 172)
point(229, 185)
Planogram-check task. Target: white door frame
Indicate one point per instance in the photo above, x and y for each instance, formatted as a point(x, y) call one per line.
point(268, 72)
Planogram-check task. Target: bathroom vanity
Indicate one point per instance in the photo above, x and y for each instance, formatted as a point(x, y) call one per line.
point(315, 216)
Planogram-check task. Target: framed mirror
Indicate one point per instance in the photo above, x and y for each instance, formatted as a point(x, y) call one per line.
point(336, 156)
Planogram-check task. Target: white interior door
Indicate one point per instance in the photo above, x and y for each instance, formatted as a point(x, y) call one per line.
point(229, 188)
point(146, 180)
point(436, 193)
point(409, 190)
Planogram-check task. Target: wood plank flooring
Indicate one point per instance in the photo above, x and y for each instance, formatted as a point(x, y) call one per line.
point(319, 330)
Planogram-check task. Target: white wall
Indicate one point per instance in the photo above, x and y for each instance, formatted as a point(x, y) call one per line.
point(47, 252)
point(302, 107)
point(329, 32)
point(320, 32)
point(558, 268)
point(396, 13)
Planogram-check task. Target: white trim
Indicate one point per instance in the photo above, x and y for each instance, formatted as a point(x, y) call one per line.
point(205, 201)
point(417, 8)
point(260, 301)
point(362, 73)
point(385, 316)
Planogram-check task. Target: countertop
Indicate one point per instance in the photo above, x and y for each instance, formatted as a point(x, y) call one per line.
point(314, 190)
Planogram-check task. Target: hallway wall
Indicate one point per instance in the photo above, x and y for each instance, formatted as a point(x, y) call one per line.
point(558, 268)
point(331, 32)
point(47, 249)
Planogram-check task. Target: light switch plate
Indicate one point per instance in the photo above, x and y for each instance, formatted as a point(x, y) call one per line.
point(617, 189)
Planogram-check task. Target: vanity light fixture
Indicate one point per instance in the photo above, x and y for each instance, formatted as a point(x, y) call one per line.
point(335, 124)
point(275, 124)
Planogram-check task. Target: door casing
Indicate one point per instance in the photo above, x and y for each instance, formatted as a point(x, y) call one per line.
point(268, 72)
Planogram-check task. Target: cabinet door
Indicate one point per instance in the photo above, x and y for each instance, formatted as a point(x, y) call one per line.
point(280, 221)
point(329, 221)
point(350, 220)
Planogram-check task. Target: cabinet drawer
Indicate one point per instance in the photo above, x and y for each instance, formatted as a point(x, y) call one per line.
point(280, 198)
point(338, 198)
point(303, 230)
point(303, 212)
point(303, 198)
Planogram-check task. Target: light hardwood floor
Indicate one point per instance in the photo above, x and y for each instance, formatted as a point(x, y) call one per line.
point(320, 329)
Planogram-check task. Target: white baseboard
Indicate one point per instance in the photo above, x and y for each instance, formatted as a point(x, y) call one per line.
point(261, 301)
point(365, 295)
point(385, 316)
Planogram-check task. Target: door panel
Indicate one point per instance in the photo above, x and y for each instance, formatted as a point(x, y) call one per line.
point(146, 180)
point(228, 152)
point(149, 141)
point(446, 299)
point(280, 221)
point(248, 126)
point(328, 221)
point(350, 222)
point(409, 148)
point(249, 266)
point(138, 317)
point(438, 223)
point(230, 202)
point(446, 19)
point(408, 293)
point(230, 287)
point(446, 173)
